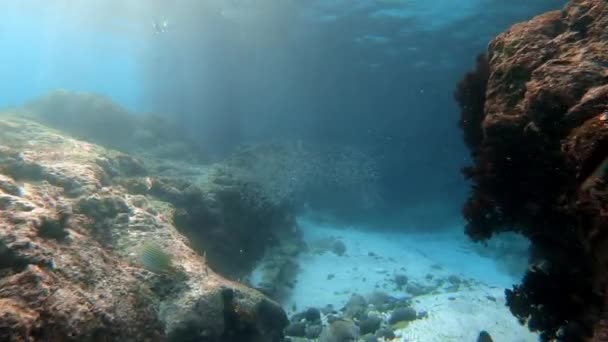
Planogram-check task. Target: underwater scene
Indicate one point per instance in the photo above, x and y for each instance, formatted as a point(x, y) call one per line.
point(303, 170)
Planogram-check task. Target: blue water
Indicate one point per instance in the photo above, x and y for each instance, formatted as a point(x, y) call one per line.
point(41, 52)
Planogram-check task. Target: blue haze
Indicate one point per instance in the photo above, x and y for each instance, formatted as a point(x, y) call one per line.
point(379, 74)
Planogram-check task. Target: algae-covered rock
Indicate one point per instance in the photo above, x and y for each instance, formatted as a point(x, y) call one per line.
point(534, 119)
point(340, 331)
point(214, 213)
point(402, 315)
point(356, 306)
point(369, 324)
point(69, 261)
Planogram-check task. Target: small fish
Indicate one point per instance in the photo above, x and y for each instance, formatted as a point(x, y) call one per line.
point(160, 26)
point(153, 258)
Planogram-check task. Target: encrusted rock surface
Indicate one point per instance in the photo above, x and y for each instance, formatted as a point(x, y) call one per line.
point(71, 232)
point(534, 115)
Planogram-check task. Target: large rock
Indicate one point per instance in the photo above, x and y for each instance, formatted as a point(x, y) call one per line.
point(217, 217)
point(216, 206)
point(71, 242)
point(98, 119)
point(534, 114)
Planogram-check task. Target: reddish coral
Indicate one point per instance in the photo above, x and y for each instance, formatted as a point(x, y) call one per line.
point(543, 133)
point(471, 96)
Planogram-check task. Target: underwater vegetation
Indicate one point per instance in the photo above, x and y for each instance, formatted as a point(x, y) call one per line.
point(532, 115)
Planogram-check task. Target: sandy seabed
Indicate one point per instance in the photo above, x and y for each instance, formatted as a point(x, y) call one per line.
point(372, 260)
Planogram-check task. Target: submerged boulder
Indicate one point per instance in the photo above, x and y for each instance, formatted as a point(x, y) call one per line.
point(70, 263)
point(534, 115)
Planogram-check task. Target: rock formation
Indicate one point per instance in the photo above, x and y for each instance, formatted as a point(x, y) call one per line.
point(535, 117)
point(73, 219)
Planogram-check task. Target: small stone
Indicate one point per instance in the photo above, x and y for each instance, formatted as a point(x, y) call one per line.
point(379, 299)
point(484, 336)
point(370, 338)
point(355, 307)
point(385, 333)
point(400, 280)
point(370, 324)
point(403, 315)
point(297, 329)
point(312, 315)
point(418, 290)
point(454, 280)
point(340, 330)
point(338, 247)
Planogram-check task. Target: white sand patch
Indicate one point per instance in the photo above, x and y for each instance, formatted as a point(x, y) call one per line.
point(372, 260)
point(461, 316)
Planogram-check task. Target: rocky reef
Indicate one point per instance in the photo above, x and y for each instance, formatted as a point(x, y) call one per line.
point(96, 118)
point(535, 118)
point(75, 218)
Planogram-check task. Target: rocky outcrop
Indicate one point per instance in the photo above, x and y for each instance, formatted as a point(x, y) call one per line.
point(74, 218)
point(98, 119)
point(537, 129)
point(217, 206)
point(219, 221)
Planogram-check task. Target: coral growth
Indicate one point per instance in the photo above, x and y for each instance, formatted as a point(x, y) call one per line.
point(537, 131)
